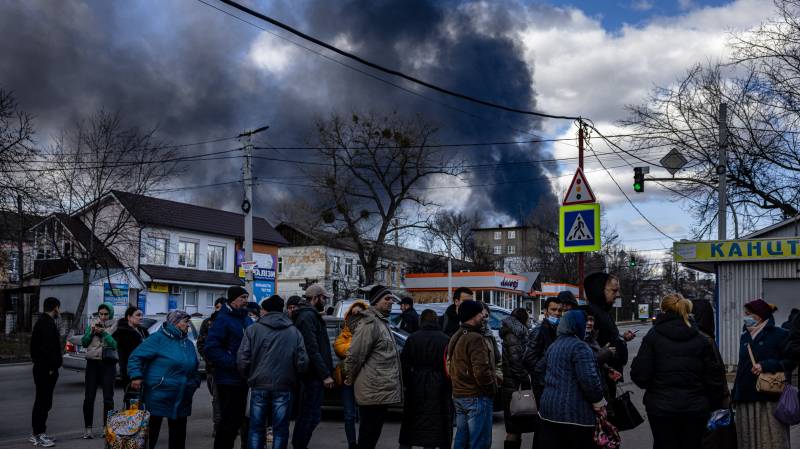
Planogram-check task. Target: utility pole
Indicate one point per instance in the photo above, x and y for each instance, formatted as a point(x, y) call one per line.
point(722, 170)
point(581, 138)
point(20, 267)
point(449, 269)
point(247, 204)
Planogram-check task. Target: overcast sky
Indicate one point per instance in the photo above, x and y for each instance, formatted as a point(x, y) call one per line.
point(197, 74)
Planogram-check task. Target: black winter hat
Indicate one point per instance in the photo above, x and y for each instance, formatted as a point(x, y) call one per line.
point(273, 304)
point(235, 292)
point(377, 293)
point(595, 286)
point(567, 297)
point(407, 300)
point(468, 310)
point(294, 301)
point(253, 307)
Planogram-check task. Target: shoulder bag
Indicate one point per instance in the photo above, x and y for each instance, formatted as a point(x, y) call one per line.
point(623, 414)
point(768, 383)
point(522, 404)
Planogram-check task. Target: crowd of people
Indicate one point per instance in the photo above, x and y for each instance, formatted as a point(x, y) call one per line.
point(270, 363)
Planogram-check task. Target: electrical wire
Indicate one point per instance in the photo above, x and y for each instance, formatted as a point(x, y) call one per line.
point(389, 71)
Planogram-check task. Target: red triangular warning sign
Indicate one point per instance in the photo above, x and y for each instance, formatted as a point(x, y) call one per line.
point(579, 191)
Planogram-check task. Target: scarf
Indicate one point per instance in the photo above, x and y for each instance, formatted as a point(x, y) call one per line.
point(755, 330)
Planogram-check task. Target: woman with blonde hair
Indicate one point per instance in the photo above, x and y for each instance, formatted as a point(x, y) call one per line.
point(682, 378)
point(340, 346)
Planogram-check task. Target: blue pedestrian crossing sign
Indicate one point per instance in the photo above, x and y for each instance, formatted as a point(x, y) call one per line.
point(579, 228)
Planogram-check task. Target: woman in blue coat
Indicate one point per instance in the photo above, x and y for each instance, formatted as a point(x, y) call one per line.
point(165, 368)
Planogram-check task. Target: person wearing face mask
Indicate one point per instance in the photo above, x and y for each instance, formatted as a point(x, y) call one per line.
point(129, 335)
point(308, 320)
point(540, 339)
point(221, 347)
point(164, 369)
point(101, 364)
point(47, 359)
point(756, 425)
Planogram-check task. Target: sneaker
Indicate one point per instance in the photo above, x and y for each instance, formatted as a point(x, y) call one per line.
point(41, 441)
point(87, 435)
point(49, 437)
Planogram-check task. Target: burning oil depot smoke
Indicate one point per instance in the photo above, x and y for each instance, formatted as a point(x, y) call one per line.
point(197, 73)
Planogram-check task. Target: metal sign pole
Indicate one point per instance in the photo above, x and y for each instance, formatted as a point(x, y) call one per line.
point(580, 165)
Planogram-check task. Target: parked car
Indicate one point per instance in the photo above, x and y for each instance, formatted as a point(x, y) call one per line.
point(75, 354)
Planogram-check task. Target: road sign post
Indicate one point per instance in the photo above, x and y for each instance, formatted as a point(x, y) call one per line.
point(579, 228)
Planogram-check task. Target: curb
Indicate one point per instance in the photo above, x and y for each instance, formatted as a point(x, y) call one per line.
point(16, 363)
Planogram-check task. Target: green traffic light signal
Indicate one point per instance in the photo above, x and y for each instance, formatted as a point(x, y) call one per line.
point(638, 179)
point(637, 187)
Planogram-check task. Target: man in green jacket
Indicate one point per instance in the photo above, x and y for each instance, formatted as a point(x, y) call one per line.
point(373, 367)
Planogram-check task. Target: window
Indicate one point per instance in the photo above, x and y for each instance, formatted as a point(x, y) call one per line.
point(348, 267)
point(394, 274)
point(510, 249)
point(512, 235)
point(189, 297)
point(155, 250)
point(187, 254)
point(216, 257)
point(498, 235)
point(335, 264)
point(381, 274)
point(498, 249)
point(280, 264)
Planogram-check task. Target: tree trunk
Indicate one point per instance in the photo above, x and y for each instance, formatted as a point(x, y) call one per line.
point(76, 323)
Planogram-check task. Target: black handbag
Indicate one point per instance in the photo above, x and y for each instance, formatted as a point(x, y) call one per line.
point(623, 413)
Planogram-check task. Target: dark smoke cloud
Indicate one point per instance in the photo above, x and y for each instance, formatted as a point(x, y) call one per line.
point(184, 67)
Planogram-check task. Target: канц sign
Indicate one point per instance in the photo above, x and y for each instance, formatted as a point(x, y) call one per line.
point(737, 250)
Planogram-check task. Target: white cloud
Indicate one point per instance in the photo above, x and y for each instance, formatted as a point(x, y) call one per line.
point(642, 5)
point(269, 53)
point(685, 4)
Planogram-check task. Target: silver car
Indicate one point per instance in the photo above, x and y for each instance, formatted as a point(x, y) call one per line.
point(75, 354)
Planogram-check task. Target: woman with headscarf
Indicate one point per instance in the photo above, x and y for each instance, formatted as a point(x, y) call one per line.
point(573, 392)
point(101, 364)
point(756, 425)
point(164, 368)
point(682, 379)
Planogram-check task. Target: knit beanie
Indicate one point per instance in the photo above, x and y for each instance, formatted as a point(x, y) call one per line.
point(235, 292)
point(293, 301)
point(273, 304)
point(468, 309)
point(760, 308)
point(176, 316)
point(377, 293)
point(567, 298)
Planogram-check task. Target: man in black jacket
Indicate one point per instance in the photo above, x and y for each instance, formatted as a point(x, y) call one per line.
point(409, 319)
point(450, 323)
point(540, 339)
point(309, 322)
point(216, 414)
point(47, 358)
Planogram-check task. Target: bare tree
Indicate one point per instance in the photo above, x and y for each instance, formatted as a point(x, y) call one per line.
point(373, 183)
point(451, 233)
point(17, 150)
point(763, 167)
point(88, 163)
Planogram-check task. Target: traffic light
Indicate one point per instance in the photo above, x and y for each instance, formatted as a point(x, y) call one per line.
point(632, 262)
point(638, 179)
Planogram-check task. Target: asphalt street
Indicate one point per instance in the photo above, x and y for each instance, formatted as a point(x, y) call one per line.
point(66, 418)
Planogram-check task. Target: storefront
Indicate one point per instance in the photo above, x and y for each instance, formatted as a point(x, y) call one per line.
point(500, 289)
point(764, 264)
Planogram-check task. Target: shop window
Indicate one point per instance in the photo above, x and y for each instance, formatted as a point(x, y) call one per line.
point(498, 249)
point(498, 235)
point(189, 297)
point(216, 257)
point(154, 251)
point(512, 235)
point(187, 254)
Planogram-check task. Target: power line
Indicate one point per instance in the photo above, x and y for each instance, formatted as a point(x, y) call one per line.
point(388, 70)
point(591, 148)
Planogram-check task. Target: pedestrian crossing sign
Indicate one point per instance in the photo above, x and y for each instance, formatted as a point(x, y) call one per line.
point(579, 228)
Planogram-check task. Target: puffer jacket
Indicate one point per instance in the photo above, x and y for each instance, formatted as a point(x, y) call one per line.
point(127, 339)
point(95, 343)
point(167, 364)
point(677, 368)
point(471, 364)
point(345, 337)
point(515, 337)
point(222, 344)
point(373, 364)
point(604, 323)
point(315, 336)
point(272, 354)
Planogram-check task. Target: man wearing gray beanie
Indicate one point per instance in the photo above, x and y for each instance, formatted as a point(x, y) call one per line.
point(373, 367)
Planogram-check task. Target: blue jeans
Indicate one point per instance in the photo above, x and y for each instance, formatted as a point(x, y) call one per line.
point(350, 413)
point(262, 402)
point(473, 423)
point(310, 413)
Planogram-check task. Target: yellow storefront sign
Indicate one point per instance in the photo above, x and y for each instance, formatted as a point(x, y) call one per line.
point(737, 250)
point(158, 288)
